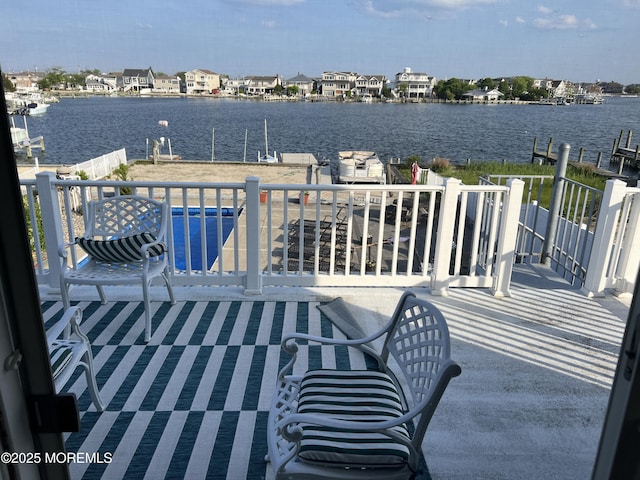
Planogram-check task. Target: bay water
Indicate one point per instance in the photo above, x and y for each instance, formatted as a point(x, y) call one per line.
point(76, 130)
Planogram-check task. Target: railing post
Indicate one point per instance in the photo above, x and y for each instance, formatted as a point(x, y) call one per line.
point(630, 257)
point(556, 203)
point(507, 238)
point(446, 228)
point(253, 281)
point(51, 225)
point(608, 215)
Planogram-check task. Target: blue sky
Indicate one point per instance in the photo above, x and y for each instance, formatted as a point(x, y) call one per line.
point(579, 40)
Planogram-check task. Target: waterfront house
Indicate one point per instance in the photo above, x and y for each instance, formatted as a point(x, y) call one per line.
point(305, 84)
point(370, 85)
point(167, 84)
point(262, 84)
point(100, 84)
point(233, 86)
point(135, 80)
point(415, 84)
point(483, 95)
point(201, 81)
point(337, 84)
point(26, 82)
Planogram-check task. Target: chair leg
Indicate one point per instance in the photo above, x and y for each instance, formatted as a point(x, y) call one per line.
point(147, 311)
point(165, 277)
point(91, 381)
point(103, 298)
point(64, 291)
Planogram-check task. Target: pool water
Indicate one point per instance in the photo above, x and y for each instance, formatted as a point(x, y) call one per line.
point(195, 237)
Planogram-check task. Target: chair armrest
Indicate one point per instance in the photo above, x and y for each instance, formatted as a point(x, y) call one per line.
point(71, 317)
point(63, 249)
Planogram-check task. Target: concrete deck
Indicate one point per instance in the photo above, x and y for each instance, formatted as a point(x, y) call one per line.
point(536, 370)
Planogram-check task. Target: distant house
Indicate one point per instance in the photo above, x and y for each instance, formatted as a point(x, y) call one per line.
point(483, 95)
point(369, 85)
point(261, 85)
point(414, 84)
point(201, 81)
point(305, 84)
point(233, 86)
point(134, 79)
point(26, 82)
point(337, 84)
point(556, 88)
point(98, 83)
point(167, 84)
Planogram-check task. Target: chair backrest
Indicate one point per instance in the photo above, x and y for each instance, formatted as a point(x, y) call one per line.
point(126, 215)
point(418, 341)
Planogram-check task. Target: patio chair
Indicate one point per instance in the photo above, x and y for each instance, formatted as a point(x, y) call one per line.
point(125, 242)
point(69, 348)
point(364, 424)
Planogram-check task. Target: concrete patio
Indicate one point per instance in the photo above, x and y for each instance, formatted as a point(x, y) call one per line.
point(530, 403)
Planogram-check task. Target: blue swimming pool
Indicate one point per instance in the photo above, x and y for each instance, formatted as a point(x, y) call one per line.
point(195, 235)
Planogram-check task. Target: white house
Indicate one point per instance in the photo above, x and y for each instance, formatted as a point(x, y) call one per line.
point(261, 85)
point(305, 84)
point(414, 84)
point(483, 95)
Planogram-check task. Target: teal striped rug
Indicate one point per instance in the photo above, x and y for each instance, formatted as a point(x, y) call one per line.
point(193, 402)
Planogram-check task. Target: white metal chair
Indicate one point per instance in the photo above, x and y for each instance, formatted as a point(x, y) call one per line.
point(69, 348)
point(356, 423)
point(125, 242)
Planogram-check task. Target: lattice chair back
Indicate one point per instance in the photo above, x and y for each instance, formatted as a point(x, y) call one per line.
point(127, 215)
point(418, 341)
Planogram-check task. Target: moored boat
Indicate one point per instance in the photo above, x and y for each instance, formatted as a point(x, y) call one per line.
point(360, 166)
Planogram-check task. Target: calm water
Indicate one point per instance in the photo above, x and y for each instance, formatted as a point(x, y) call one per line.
point(76, 130)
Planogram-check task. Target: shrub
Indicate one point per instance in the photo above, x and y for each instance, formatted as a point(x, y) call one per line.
point(440, 165)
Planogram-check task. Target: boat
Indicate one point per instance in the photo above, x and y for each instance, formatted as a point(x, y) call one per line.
point(360, 166)
point(37, 108)
point(590, 99)
point(266, 158)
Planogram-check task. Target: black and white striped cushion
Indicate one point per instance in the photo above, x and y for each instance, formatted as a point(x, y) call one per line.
point(125, 249)
point(60, 355)
point(360, 395)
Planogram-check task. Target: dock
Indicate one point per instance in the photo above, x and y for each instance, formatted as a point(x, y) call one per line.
point(623, 153)
point(548, 157)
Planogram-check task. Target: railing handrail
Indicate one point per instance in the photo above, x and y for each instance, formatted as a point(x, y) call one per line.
point(401, 222)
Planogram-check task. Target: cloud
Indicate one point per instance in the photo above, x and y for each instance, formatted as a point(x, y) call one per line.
point(630, 3)
point(520, 20)
point(563, 22)
point(418, 8)
point(268, 23)
point(270, 3)
point(454, 4)
point(544, 10)
point(504, 23)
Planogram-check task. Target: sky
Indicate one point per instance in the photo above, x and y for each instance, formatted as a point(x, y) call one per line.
point(577, 40)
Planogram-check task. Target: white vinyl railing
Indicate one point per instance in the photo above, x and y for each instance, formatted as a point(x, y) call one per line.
point(441, 236)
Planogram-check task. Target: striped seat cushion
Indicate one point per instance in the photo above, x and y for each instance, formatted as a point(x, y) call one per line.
point(60, 355)
point(360, 395)
point(121, 250)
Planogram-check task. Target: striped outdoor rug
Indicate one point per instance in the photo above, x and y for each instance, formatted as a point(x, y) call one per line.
point(193, 402)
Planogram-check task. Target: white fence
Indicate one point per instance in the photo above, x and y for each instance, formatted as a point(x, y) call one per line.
point(99, 167)
point(365, 235)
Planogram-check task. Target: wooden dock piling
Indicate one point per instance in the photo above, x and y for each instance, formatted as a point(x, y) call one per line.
point(547, 156)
